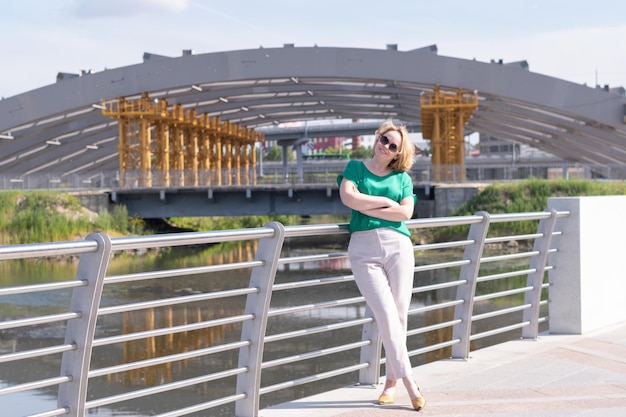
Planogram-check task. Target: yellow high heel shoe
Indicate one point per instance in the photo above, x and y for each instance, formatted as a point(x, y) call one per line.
point(386, 399)
point(419, 402)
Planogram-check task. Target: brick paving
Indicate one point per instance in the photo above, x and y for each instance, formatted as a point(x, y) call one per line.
point(554, 376)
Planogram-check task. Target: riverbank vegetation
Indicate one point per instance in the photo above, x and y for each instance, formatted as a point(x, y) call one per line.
point(45, 216)
point(524, 196)
point(229, 223)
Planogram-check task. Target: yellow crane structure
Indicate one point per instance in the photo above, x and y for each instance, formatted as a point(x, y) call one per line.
point(168, 146)
point(444, 116)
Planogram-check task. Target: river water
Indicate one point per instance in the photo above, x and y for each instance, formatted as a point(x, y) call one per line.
point(22, 272)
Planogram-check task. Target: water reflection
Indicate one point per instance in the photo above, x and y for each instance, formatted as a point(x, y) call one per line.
point(154, 347)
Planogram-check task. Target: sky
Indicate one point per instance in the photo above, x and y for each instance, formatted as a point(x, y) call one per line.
point(581, 41)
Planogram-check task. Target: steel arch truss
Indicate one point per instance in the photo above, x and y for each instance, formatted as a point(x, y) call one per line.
point(60, 128)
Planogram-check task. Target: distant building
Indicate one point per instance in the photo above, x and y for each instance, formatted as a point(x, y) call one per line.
point(491, 146)
point(319, 145)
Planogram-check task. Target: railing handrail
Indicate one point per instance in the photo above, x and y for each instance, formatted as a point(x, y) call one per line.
point(95, 253)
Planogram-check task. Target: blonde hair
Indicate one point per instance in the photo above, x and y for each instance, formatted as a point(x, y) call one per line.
point(406, 152)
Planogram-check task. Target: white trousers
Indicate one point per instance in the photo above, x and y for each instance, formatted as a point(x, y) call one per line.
point(383, 262)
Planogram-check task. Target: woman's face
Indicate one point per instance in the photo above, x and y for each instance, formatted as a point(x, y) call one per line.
point(388, 144)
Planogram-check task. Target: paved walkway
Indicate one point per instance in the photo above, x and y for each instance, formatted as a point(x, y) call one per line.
point(556, 376)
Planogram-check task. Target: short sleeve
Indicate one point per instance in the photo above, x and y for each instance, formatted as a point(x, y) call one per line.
point(350, 172)
point(407, 188)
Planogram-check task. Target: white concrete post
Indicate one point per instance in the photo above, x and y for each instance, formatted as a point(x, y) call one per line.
point(588, 281)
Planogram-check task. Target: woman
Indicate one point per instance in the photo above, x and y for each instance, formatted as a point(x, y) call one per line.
point(380, 193)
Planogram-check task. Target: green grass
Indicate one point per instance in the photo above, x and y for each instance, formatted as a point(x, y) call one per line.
point(37, 216)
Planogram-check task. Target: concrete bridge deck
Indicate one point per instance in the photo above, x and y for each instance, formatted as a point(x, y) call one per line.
point(557, 375)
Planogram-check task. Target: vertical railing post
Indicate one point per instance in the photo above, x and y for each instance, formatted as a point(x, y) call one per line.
point(253, 331)
point(370, 353)
point(80, 332)
point(535, 279)
point(465, 292)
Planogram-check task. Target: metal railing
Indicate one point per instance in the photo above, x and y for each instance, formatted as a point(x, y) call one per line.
point(455, 321)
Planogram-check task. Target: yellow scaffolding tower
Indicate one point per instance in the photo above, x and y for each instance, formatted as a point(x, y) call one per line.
point(444, 116)
point(161, 146)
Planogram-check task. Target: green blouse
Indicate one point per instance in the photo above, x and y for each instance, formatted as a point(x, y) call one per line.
point(396, 186)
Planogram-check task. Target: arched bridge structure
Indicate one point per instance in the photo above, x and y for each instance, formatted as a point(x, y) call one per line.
point(60, 128)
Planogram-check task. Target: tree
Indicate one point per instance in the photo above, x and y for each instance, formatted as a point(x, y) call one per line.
point(274, 153)
point(361, 153)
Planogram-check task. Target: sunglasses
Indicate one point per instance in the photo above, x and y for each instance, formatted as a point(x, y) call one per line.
point(385, 141)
